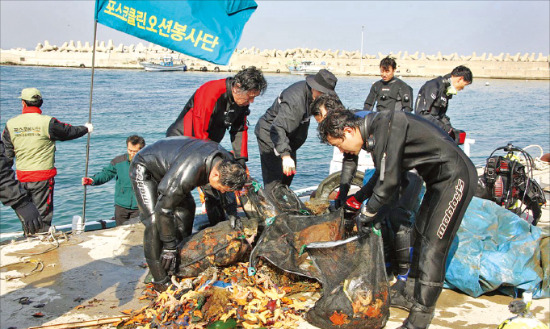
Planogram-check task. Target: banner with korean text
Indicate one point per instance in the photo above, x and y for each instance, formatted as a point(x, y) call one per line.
point(208, 30)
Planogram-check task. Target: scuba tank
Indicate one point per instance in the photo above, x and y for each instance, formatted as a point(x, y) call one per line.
point(524, 317)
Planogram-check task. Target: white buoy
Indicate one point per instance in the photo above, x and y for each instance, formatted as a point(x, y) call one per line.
point(486, 83)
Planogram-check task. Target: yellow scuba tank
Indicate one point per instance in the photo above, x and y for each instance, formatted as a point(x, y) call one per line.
point(524, 318)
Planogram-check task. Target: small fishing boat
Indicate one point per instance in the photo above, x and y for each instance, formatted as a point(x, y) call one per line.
point(165, 64)
point(305, 67)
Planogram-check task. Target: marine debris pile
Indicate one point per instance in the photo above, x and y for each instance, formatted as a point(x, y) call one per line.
point(227, 297)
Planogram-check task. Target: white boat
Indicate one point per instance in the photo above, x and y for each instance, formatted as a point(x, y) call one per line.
point(305, 67)
point(165, 64)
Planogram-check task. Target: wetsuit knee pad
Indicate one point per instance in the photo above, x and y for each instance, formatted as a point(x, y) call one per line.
point(427, 293)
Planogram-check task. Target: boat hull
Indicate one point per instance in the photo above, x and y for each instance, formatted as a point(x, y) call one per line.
point(152, 67)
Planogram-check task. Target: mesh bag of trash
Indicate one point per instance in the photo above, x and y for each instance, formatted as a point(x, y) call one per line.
point(355, 287)
point(219, 245)
point(268, 203)
point(284, 240)
point(351, 271)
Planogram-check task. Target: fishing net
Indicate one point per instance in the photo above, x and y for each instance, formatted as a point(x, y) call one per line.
point(355, 288)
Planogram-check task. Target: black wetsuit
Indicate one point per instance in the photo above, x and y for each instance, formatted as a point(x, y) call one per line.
point(450, 178)
point(432, 102)
point(163, 175)
point(391, 95)
point(283, 128)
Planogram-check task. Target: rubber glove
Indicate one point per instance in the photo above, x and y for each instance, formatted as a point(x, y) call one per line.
point(168, 259)
point(364, 220)
point(289, 167)
point(235, 222)
point(352, 204)
point(90, 127)
point(87, 181)
point(29, 216)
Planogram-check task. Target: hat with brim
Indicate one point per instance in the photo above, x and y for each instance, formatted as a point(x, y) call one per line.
point(323, 81)
point(29, 94)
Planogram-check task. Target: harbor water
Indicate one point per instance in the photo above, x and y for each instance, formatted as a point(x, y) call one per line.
point(126, 102)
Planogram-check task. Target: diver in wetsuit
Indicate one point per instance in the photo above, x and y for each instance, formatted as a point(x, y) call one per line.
point(163, 175)
point(433, 98)
point(389, 93)
point(399, 142)
point(398, 214)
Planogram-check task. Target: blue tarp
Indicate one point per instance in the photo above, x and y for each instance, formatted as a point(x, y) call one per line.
point(208, 30)
point(497, 250)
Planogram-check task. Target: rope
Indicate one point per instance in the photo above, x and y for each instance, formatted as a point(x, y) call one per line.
point(39, 266)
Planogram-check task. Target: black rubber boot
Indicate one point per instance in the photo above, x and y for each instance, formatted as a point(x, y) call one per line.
point(401, 294)
point(420, 317)
point(162, 285)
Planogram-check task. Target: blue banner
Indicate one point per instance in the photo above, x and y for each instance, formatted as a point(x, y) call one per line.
point(208, 30)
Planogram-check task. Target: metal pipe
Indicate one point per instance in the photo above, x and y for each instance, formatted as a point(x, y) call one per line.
point(89, 120)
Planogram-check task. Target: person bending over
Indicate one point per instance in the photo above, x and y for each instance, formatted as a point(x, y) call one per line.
point(399, 142)
point(433, 99)
point(163, 175)
point(283, 128)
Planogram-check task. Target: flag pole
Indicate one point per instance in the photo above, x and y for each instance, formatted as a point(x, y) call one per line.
point(89, 120)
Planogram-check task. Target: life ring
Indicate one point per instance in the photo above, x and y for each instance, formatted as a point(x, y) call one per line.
point(348, 73)
point(204, 69)
point(216, 69)
point(278, 71)
point(243, 67)
point(82, 65)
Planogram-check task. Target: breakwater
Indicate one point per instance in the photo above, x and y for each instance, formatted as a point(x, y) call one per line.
point(502, 66)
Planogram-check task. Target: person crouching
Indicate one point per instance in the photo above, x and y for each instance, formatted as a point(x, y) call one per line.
point(163, 175)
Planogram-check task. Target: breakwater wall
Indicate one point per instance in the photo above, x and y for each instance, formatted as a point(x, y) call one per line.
point(502, 66)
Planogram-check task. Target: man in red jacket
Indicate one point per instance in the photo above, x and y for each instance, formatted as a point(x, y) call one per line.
point(30, 137)
point(221, 105)
point(215, 107)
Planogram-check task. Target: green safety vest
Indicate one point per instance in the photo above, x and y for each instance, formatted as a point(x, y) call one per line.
point(30, 137)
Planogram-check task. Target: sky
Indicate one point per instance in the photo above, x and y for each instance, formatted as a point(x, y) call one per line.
point(463, 27)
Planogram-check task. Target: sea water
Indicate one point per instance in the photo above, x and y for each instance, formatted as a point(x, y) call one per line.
point(126, 102)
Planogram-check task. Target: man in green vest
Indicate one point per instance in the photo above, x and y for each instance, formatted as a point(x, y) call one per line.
point(119, 168)
point(30, 138)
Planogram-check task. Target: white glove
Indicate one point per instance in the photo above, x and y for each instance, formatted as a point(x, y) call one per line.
point(289, 167)
point(90, 127)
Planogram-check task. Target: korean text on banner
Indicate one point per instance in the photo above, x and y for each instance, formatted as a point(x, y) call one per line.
point(208, 30)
